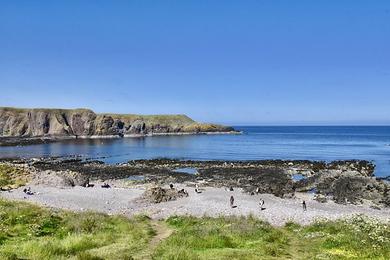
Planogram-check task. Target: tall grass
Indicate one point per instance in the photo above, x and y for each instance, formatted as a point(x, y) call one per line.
point(31, 232)
point(250, 238)
point(12, 177)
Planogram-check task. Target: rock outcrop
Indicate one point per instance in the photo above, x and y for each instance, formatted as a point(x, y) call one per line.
point(347, 182)
point(15, 122)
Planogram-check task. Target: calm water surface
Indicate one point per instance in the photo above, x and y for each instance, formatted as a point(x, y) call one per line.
point(282, 142)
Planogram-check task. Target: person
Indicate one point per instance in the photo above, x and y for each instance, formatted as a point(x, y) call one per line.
point(304, 205)
point(171, 186)
point(28, 191)
point(106, 185)
point(261, 203)
point(183, 191)
point(231, 188)
point(231, 201)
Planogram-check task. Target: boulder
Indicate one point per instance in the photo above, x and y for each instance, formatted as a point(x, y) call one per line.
point(159, 194)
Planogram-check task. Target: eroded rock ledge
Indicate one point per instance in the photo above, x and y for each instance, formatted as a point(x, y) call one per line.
point(52, 123)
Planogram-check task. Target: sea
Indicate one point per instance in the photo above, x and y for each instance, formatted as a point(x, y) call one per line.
point(324, 143)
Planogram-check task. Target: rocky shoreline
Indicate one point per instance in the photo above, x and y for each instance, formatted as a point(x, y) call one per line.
point(162, 188)
point(23, 141)
point(344, 182)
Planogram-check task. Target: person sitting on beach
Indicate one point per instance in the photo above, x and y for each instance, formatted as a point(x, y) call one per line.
point(183, 191)
point(304, 205)
point(231, 188)
point(171, 186)
point(105, 185)
point(28, 191)
point(231, 201)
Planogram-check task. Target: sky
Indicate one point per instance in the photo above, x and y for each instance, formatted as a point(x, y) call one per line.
point(232, 62)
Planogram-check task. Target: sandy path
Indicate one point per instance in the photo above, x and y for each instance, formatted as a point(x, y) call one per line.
point(211, 202)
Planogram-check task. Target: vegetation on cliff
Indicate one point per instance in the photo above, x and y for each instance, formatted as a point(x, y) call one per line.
point(12, 177)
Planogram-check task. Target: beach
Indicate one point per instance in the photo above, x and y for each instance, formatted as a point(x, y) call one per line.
point(212, 202)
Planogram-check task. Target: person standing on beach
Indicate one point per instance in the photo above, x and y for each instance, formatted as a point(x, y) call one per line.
point(231, 201)
point(261, 203)
point(304, 205)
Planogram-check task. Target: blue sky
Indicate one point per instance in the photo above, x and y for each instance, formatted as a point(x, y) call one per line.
point(232, 62)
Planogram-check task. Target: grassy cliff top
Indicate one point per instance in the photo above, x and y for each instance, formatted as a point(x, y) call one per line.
point(178, 119)
point(125, 117)
point(47, 110)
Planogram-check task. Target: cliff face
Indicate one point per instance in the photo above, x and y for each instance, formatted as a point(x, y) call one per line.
point(39, 122)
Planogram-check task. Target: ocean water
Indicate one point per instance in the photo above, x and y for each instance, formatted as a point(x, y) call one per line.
point(257, 142)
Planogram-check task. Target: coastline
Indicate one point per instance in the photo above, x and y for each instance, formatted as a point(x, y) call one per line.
point(21, 141)
point(143, 187)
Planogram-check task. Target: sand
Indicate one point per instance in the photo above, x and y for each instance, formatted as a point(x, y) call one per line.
point(211, 202)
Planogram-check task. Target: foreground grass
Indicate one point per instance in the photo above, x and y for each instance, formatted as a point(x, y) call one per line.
point(31, 232)
point(250, 238)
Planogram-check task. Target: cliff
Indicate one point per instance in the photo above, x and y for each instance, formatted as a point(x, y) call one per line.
point(41, 122)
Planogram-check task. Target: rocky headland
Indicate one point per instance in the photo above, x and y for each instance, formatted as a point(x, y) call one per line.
point(25, 126)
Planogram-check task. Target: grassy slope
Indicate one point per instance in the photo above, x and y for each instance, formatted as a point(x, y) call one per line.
point(31, 232)
point(45, 110)
point(12, 177)
point(154, 119)
point(250, 238)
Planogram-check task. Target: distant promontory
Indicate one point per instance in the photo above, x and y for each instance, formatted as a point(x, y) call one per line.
point(84, 123)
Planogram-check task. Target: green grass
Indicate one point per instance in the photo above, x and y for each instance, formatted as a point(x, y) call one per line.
point(47, 110)
point(250, 238)
point(152, 119)
point(31, 232)
point(12, 177)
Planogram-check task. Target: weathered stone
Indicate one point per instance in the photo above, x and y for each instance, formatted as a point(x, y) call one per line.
point(158, 194)
point(16, 122)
